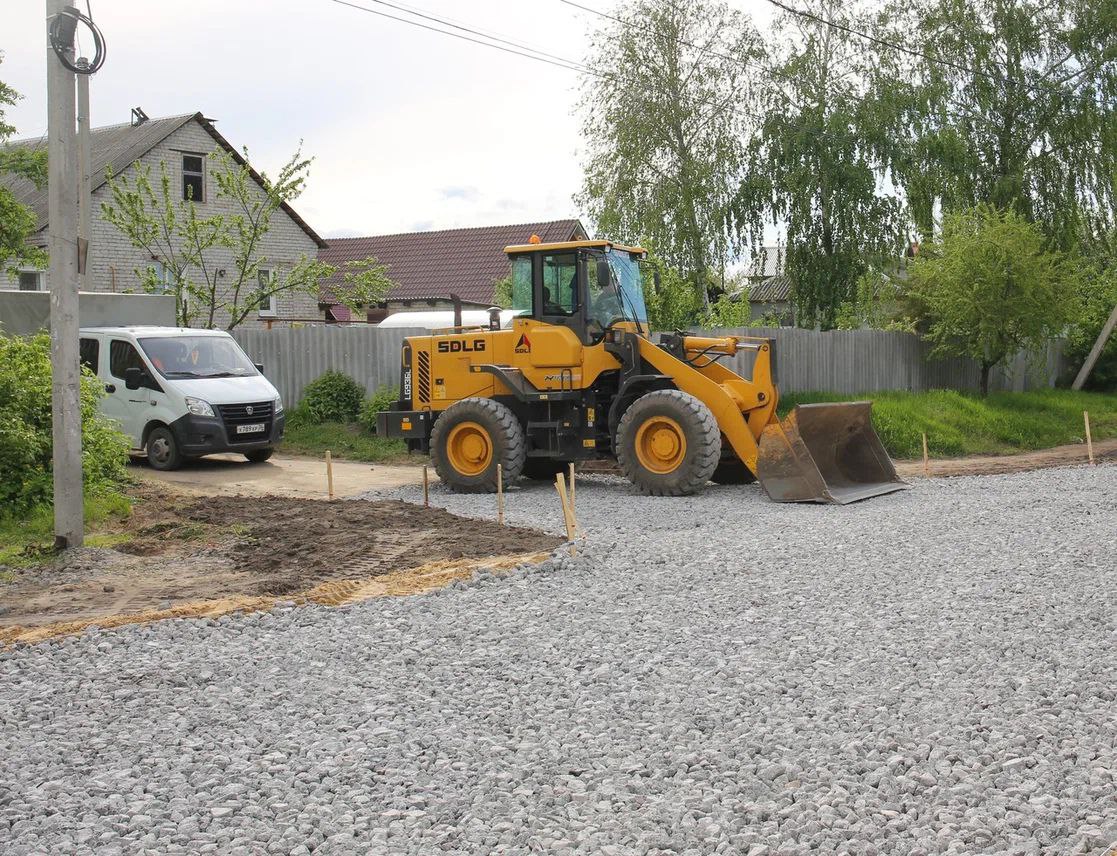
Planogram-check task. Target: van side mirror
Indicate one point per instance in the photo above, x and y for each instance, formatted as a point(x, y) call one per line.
point(603, 273)
point(133, 378)
point(259, 367)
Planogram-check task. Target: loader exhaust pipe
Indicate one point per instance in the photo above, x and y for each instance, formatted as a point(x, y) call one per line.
point(825, 453)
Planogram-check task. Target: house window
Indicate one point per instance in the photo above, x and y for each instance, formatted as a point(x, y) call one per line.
point(30, 280)
point(193, 178)
point(164, 280)
point(265, 301)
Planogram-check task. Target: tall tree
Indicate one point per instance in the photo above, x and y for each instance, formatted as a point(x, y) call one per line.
point(990, 287)
point(193, 250)
point(1009, 103)
point(664, 111)
point(816, 165)
point(17, 222)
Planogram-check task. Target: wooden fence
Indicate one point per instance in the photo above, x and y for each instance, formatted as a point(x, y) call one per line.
point(844, 361)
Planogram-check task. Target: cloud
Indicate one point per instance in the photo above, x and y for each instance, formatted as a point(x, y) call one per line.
point(466, 193)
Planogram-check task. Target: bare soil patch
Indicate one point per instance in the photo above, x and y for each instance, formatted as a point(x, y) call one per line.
point(183, 555)
point(987, 465)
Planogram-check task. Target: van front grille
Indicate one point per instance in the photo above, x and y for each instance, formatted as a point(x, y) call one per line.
point(256, 413)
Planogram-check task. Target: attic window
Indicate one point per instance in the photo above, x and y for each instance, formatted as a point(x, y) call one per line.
point(193, 178)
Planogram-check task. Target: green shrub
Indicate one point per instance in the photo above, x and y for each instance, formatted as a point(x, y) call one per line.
point(25, 429)
point(380, 400)
point(334, 397)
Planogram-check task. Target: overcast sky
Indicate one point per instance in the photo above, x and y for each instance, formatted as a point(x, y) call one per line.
point(409, 130)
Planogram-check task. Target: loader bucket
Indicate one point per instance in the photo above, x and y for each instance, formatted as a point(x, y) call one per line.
point(825, 453)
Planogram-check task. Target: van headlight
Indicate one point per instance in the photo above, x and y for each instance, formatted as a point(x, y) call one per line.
point(198, 407)
point(279, 405)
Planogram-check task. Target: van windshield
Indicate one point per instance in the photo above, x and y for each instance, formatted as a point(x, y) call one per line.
point(197, 356)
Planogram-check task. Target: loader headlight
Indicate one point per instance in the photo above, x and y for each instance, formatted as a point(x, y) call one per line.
point(198, 407)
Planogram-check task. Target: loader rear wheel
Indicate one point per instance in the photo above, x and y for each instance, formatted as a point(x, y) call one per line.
point(470, 438)
point(732, 471)
point(668, 443)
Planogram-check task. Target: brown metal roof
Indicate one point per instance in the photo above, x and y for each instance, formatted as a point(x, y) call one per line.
point(431, 265)
point(118, 147)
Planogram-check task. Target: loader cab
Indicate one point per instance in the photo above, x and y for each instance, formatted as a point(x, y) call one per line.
point(586, 286)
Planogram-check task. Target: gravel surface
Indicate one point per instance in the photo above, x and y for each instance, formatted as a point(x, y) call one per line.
point(932, 671)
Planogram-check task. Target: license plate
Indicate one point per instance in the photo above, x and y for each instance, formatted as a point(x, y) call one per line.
point(254, 428)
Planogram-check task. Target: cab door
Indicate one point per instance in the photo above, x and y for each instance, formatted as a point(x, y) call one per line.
point(560, 306)
point(130, 408)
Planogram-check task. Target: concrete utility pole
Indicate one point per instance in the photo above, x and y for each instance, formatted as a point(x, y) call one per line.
point(84, 169)
point(1095, 352)
point(62, 187)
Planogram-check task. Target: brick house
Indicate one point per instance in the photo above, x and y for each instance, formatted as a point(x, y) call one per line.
point(185, 144)
point(429, 266)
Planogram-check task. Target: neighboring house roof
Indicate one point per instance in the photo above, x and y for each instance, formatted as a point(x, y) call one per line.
point(774, 289)
point(118, 147)
point(769, 261)
point(432, 265)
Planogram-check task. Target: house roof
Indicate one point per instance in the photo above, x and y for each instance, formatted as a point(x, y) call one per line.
point(118, 147)
point(774, 289)
point(431, 265)
point(768, 261)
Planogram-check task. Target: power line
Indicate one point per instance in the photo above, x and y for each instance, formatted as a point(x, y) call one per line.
point(803, 13)
point(449, 22)
point(567, 64)
point(744, 63)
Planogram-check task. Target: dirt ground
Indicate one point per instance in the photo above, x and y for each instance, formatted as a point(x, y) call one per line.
point(177, 550)
point(985, 465)
point(285, 475)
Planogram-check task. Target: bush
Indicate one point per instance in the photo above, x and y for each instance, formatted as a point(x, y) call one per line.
point(334, 397)
point(1099, 298)
point(380, 400)
point(26, 478)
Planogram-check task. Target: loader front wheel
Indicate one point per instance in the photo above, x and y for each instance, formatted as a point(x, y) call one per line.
point(668, 443)
point(468, 441)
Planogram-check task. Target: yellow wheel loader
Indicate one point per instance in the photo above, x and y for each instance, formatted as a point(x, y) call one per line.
point(577, 376)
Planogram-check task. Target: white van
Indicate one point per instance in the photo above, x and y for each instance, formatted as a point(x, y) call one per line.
point(180, 393)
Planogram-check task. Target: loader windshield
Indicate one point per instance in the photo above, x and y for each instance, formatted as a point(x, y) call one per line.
point(630, 285)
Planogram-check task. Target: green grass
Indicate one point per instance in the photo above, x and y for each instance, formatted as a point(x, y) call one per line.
point(965, 424)
point(29, 540)
point(346, 441)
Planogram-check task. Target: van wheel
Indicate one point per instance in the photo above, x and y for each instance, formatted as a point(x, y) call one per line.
point(668, 443)
point(162, 449)
point(470, 438)
point(258, 456)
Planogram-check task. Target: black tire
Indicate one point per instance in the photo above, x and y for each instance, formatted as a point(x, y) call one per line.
point(258, 456)
point(162, 449)
point(504, 437)
point(699, 428)
point(732, 471)
point(544, 469)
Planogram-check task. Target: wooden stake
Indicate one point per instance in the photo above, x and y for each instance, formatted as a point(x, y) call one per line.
point(1089, 439)
point(426, 488)
point(500, 494)
point(330, 473)
point(567, 516)
point(926, 463)
point(573, 512)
